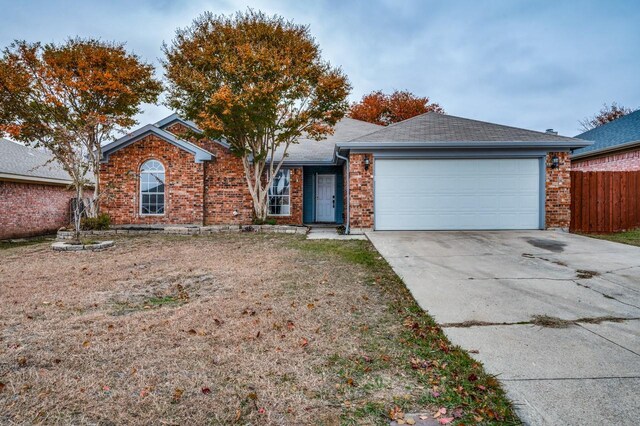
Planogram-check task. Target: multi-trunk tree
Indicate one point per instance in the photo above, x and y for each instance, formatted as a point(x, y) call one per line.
point(260, 83)
point(71, 98)
point(384, 109)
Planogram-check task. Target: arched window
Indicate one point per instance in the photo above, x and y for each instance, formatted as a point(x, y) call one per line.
point(152, 188)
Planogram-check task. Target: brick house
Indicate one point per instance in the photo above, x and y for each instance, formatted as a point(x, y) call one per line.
point(616, 146)
point(34, 192)
point(430, 172)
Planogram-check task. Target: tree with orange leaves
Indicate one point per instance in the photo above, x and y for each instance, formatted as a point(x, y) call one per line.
point(380, 108)
point(260, 83)
point(70, 99)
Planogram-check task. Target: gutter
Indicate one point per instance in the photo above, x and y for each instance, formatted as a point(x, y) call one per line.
point(607, 150)
point(465, 144)
point(347, 228)
point(34, 179)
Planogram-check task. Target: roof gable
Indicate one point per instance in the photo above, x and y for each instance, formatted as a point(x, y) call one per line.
point(619, 133)
point(199, 154)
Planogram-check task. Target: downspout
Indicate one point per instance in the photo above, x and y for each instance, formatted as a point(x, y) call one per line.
point(347, 228)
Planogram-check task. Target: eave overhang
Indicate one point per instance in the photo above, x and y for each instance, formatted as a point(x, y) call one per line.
point(199, 154)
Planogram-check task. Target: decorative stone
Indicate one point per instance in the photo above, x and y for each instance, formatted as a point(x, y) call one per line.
point(64, 246)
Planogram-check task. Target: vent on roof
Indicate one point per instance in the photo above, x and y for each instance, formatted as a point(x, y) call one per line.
point(551, 132)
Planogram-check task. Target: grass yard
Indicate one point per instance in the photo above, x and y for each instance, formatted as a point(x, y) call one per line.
point(627, 237)
point(227, 329)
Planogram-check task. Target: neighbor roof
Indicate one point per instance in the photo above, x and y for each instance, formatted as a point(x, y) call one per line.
point(435, 128)
point(309, 151)
point(617, 134)
point(19, 162)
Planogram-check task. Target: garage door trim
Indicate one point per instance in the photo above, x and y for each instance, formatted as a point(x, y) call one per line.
point(541, 157)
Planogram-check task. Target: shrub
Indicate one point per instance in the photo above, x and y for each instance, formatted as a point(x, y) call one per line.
point(264, 222)
point(99, 223)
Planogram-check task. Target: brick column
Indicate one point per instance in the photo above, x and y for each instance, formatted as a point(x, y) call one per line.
point(361, 192)
point(558, 191)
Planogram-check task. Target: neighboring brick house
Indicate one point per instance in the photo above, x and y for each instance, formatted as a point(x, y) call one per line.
point(34, 192)
point(616, 146)
point(430, 172)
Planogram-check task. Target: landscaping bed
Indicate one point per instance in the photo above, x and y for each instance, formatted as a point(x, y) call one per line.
point(243, 328)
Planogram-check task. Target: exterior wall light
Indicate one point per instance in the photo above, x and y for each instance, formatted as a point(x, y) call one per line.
point(555, 162)
point(366, 163)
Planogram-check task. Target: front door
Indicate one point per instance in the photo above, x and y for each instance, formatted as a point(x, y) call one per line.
point(326, 198)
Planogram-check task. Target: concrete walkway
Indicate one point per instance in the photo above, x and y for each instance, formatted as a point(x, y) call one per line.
point(485, 288)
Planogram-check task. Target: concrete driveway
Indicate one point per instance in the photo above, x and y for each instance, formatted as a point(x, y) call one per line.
point(485, 288)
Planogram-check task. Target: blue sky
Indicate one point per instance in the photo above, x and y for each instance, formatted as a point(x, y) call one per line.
point(531, 64)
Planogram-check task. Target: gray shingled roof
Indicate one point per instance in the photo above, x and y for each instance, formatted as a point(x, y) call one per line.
point(434, 127)
point(24, 163)
point(616, 134)
point(309, 150)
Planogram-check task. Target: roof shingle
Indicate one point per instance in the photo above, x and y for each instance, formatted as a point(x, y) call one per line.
point(622, 131)
point(435, 127)
point(20, 161)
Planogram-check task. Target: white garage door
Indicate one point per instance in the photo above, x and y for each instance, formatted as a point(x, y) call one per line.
point(457, 194)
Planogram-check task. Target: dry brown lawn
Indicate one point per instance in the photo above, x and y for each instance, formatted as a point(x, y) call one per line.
point(246, 329)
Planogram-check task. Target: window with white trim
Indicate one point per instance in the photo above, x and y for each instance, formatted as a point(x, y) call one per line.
point(152, 188)
point(279, 195)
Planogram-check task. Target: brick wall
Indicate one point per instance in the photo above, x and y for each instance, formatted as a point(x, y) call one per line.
point(226, 191)
point(361, 191)
point(184, 189)
point(210, 193)
point(618, 162)
point(28, 209)
point(558, 191)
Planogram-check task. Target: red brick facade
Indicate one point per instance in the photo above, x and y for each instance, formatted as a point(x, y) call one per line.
point(361, 191)
point(210, 193)
point(183, 182)
point(558, 191)
point(29, 209)
point(614, 162)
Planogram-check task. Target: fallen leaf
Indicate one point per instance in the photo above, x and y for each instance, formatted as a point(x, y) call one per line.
point(311, 306)
point(472, 377)
point(304, 342)
point(440, 412)
point(206, 391)
point(261, 410)
point(445, 420)
point(2, 386)
point(411, 421)
point(86, 343)
point(457, 413)
point(290, 325)
point(177, 394)
point(192, 331)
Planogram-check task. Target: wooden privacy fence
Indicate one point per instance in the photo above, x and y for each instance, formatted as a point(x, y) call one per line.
point(605, 201)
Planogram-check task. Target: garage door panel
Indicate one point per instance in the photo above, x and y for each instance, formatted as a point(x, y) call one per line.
point(457, 194)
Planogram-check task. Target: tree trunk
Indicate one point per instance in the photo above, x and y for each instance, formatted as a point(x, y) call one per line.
point(77, 219)
point(94, 209)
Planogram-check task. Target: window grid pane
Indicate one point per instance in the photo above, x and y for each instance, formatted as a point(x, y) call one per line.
point(152, 187)
point(279, 194)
